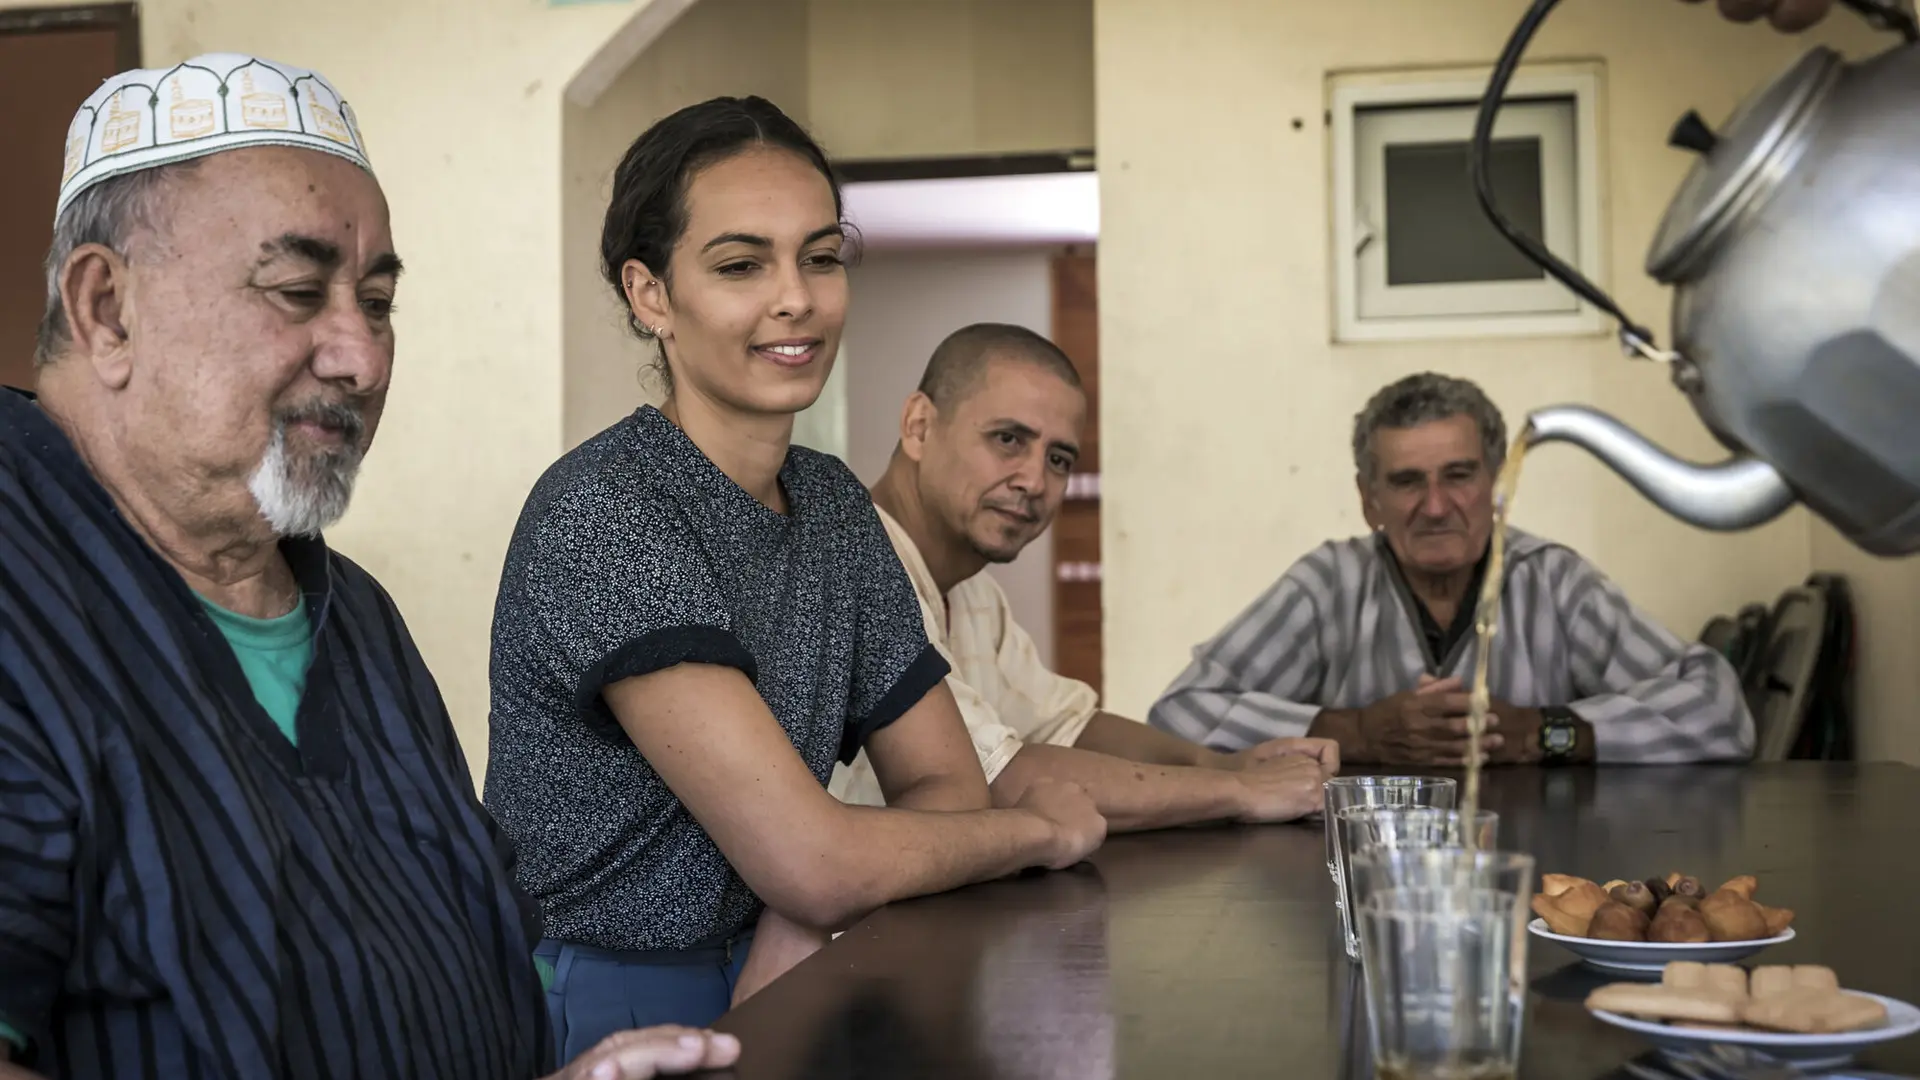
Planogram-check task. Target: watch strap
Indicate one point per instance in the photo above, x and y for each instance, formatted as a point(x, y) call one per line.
point(1556, 719)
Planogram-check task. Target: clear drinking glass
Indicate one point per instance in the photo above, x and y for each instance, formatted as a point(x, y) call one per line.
point(1360, 829)
point(1345, 792)
point(1444, 957)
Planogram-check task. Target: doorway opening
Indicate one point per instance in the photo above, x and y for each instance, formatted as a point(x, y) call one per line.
point(1003, 238)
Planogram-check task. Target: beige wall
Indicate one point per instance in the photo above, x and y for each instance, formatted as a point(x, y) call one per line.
point(719, 47)
point(931, 78)
point(904, 305)
point(459, 101)
point(1214, 295)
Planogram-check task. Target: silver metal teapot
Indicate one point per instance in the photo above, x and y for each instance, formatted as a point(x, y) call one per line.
point(1793, 248)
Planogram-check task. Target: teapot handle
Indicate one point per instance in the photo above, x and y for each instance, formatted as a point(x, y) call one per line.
point(1637, 338)
point(1884, 14)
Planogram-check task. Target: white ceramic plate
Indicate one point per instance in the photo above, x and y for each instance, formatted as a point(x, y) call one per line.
point(1806, 1051)
point(1652, 957)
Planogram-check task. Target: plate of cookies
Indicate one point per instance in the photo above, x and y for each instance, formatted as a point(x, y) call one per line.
point(1642, 926)
point(1797, 1014)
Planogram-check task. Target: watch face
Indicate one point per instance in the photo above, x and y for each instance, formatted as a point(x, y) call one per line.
point(1559, 738)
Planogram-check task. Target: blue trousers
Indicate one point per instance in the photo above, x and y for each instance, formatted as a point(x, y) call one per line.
point(597, 992)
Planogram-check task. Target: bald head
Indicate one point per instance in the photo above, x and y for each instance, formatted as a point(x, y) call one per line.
point(959, 363)
point(986, 446)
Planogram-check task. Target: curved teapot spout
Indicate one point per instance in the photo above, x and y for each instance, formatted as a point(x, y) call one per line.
point(1739, 493)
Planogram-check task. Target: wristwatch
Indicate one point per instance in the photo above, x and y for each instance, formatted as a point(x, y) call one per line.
point(1559, 734)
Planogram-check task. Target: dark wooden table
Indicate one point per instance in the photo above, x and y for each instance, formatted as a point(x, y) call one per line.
point(1207, 954)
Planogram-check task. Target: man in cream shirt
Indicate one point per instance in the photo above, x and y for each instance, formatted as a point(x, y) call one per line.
point(986, 445)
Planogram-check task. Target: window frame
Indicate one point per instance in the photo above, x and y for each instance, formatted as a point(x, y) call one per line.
point(1365, 307)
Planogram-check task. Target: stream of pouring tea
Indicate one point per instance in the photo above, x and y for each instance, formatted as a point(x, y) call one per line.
point(1486, 622)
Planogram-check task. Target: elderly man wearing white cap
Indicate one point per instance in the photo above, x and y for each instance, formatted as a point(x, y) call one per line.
point(238, 837)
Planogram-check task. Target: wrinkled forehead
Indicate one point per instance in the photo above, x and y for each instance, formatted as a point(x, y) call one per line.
point(1428, 447)
point(239, 203)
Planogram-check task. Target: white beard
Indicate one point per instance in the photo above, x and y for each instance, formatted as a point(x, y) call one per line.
point(302, 505)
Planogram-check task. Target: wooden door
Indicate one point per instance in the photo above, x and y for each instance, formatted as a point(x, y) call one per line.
point(1076, 532)
point(50, 60)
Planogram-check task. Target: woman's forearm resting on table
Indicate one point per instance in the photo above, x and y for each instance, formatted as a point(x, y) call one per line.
point(889, 854)
point(817, 861)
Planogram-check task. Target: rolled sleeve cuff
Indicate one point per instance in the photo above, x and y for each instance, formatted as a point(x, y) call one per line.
point(993, 760)
point(1066, 730)
point(651, 652)
point(915, 683)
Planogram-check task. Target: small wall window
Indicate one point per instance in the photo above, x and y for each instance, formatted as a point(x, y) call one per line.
point(1414, 255)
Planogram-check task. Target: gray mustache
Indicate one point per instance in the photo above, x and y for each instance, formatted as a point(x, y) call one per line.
point(332, 414)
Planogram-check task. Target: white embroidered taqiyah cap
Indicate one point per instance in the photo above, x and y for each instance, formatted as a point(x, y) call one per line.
point(219, 101)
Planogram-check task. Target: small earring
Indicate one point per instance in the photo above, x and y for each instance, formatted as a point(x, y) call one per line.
point(658, 331)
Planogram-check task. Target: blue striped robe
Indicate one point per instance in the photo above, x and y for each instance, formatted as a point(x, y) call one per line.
point(186, 894)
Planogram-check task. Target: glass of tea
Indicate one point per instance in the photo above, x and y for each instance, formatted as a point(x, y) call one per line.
point(1361, 829)
point(1444, 957)
point(1345, 792)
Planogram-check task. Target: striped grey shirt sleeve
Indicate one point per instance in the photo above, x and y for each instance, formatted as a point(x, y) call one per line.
point(1650, 698)
point(1272, 645)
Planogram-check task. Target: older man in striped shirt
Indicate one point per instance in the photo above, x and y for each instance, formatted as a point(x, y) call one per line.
point(1369, 641)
